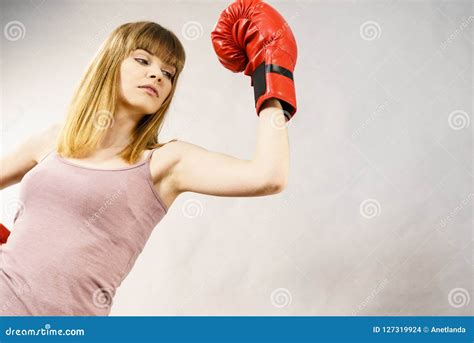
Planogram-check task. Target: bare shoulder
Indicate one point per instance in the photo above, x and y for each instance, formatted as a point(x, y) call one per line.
point(183, 149)
point(162, 170)
point(179, 149)
point(165, 160)
point(46, 141)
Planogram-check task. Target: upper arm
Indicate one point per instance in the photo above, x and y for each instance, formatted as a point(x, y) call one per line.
point(202, 171)
point(25, 156)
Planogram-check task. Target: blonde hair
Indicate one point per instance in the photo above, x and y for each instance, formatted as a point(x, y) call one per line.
point(95, 100)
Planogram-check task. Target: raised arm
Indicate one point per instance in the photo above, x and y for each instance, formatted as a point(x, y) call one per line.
point(202, 171)
point(252, 37)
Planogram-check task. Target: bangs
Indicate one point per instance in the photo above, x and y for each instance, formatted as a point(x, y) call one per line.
point(159, 42)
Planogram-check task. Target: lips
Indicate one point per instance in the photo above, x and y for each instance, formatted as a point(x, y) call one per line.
point(151, 88)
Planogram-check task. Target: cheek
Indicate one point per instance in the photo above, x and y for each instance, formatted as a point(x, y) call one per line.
point(168, 88)
point(126, 80)
point(128, 76)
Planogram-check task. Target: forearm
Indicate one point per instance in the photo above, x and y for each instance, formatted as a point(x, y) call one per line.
point(272, 151)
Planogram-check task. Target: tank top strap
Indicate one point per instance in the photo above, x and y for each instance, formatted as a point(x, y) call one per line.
point(49, 153)
point(151, 153)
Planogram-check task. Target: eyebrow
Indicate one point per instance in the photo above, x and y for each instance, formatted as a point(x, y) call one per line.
point(166, 65)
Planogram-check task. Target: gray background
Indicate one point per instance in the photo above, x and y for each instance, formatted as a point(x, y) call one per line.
point(377, 215)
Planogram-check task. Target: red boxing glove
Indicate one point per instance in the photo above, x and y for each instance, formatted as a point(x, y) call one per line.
point(252, 35)
point(4, 233)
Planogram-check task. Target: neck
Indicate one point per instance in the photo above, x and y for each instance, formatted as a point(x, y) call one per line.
point(120, 131)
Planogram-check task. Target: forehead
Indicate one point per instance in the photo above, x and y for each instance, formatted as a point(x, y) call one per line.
point(151, 54)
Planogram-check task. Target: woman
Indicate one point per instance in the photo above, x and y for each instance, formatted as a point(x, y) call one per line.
point(93, 189)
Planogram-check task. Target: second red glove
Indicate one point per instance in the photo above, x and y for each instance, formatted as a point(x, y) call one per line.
point(4, 233)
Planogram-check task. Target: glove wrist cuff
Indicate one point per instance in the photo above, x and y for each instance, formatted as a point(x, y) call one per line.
point(274, 81)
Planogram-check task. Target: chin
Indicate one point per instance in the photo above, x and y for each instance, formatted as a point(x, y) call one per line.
point(145, 106)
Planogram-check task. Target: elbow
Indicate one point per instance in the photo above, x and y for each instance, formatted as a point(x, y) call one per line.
point(276, 185)
point(273, 181)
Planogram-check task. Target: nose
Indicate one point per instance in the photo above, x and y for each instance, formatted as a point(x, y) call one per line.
point(153, 76)
point(157, 74)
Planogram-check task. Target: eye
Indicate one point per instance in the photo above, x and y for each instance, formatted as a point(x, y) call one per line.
point(168, 75)
point(141, 59)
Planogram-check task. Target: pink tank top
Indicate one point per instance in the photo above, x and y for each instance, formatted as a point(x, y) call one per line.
point(75, 237)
